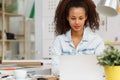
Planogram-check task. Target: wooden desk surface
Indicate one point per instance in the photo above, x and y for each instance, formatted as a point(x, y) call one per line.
point(52, 78)
point(48, 78)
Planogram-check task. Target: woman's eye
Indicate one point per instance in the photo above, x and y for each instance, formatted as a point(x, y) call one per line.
point(73, 18)
point(80, 18)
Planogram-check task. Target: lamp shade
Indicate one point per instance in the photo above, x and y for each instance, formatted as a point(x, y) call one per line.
point(108, 7)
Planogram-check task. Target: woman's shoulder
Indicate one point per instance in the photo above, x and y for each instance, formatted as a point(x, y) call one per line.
point(59, 37)
point(63, 36)
point(92, 34)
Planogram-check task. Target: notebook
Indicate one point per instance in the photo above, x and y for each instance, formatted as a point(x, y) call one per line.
point(80, 67)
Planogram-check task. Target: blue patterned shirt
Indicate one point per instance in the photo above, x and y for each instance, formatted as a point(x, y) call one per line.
point(91, 43)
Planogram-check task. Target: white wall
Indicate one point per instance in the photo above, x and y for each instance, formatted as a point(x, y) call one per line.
point(45, 10)
point(38, 27)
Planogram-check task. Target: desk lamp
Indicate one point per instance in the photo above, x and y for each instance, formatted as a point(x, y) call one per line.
point(108, 7)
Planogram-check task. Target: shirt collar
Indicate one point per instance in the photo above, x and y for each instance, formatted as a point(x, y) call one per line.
point(68, 36)
point(84, 39)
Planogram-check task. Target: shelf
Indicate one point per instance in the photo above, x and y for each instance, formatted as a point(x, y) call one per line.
point(112, 43)
point(11, 14)
point(19, 35)
point(12, 40)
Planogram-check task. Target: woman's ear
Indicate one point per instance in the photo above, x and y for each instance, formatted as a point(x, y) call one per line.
point(67, 18)
point(86, 17)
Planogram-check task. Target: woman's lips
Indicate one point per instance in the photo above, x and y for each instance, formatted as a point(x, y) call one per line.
point(76, 27)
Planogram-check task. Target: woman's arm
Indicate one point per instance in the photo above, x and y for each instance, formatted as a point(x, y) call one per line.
point(56, 50)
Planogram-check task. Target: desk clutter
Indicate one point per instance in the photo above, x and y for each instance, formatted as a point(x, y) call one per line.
point(13, 72)
point(11, 77)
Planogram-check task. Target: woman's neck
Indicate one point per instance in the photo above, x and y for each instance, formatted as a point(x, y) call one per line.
point(76, 37)
point(77, 34)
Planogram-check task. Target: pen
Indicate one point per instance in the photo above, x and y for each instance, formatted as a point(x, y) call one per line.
point(4, 76)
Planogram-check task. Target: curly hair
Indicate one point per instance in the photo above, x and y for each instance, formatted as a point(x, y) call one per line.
point(62, 12)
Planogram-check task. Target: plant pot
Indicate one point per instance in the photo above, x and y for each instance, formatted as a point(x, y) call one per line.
point(112, 72)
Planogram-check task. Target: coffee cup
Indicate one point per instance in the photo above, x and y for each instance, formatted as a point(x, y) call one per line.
point(20, 74)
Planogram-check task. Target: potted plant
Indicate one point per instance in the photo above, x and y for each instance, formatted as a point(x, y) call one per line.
point(110, 60)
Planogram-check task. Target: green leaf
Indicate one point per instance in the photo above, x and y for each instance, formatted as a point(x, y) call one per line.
point(110, 56)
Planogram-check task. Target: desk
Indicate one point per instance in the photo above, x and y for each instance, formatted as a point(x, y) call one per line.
point(50, 78)
point(38, 70)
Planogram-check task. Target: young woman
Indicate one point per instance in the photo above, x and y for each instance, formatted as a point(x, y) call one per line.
point(76, 22)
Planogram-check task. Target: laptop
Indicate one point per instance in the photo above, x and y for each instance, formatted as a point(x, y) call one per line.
point(80, 67)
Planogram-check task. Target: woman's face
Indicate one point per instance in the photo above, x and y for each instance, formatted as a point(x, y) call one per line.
point(77, 18)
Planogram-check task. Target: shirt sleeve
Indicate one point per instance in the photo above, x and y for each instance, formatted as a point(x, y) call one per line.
point(100, 48)
point(56, 50)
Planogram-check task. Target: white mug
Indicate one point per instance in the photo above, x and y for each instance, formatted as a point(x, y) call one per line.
point(20, 74)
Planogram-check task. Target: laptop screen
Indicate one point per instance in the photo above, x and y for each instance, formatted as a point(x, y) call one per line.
point(80, 67)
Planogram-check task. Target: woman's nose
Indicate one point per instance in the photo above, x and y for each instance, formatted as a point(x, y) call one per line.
point(76, 21)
